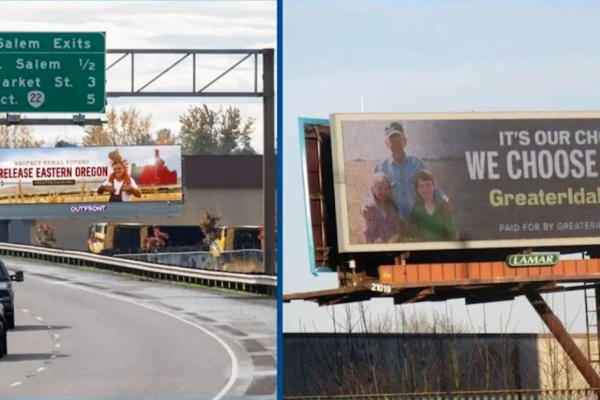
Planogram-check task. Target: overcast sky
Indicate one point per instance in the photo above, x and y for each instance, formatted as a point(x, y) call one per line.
point(159, 25)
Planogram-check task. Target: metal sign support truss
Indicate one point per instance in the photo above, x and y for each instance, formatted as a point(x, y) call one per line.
point(267, 93)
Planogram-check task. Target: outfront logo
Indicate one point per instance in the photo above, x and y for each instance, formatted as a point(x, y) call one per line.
point(89, 208)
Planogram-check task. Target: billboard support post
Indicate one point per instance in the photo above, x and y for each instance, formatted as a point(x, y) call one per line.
point(401, 259)
point(592, 319)
point(269, 162)
point(564, 339)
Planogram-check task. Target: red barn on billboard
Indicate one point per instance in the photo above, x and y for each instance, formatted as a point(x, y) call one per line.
point(155, 175)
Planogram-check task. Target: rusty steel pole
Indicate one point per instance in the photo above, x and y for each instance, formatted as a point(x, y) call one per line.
point(564, 339)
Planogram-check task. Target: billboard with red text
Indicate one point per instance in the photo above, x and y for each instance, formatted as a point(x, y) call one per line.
point(466, 180)
point(91, 175)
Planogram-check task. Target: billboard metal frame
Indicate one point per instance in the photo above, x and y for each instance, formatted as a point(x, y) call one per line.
point(302, 122)
point(341, 199)
point(267, 94)
point(358, 287)
point(357, 283)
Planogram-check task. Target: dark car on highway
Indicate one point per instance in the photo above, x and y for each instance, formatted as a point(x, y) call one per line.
point(3, 334)
point(7, 293)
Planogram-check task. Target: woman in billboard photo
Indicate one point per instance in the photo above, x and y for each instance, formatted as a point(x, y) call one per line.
point(119, 184)
point(428, 222)
point(381, 222)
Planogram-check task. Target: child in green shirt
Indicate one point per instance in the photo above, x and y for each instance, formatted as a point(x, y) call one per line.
point(427, 222)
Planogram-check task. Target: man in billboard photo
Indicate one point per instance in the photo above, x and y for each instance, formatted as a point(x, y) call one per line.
point(119, 184)
point(401, 170)
point(427, 222)
point(381, 223)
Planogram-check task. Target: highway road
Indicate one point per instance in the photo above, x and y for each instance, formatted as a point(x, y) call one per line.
point(87, 334)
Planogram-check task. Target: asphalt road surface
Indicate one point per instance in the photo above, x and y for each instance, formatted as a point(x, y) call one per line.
point(89, 334)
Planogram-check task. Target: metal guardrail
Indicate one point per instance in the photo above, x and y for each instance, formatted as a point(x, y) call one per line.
point(249, 261)
point(260, 284)
point(544, 394)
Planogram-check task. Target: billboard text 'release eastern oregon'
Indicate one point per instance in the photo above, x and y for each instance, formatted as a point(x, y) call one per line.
point(476, 180)
point(79, 175)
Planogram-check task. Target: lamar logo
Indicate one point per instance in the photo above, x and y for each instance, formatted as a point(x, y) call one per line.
point(532, 260)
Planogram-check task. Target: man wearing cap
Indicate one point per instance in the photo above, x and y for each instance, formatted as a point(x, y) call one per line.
point(400, 169)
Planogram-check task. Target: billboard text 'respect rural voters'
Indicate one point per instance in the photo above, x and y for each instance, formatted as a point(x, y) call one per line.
point(446, 181)
point(91, 175)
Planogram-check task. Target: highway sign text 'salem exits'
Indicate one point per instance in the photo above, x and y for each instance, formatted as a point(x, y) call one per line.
point(44, 72)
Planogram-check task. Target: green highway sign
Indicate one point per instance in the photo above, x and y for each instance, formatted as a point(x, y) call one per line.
point(52, 72)
point(533, 260)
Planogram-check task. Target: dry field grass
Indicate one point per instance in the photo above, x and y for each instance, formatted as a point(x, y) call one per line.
point(20, 194)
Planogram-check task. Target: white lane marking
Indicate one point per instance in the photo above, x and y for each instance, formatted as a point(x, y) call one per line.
point(39, 318)
point(54, 283)
point(272, 372)
point(25, 310)
point(233, 358)
point(41, 369)
point(262, 353)
point(57, 345)
point(56, 336)
point(15, 384)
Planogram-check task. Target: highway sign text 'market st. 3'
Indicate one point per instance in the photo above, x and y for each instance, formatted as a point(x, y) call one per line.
point(52, 72)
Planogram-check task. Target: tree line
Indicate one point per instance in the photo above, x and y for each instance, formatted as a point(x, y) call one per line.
point(202, 131)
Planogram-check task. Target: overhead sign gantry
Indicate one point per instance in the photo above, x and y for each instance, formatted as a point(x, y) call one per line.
point(81, 57)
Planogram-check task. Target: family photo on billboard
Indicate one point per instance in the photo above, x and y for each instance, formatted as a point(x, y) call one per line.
point(404, 202)
point(457, 180)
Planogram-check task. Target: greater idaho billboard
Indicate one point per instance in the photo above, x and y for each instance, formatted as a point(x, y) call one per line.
point(91, 175)
point(466, 180)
